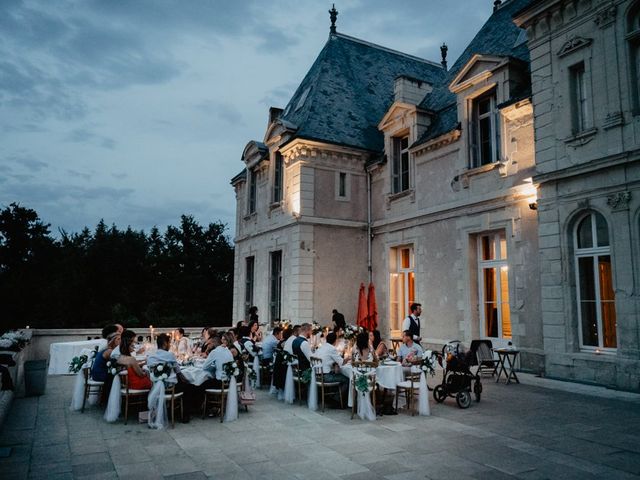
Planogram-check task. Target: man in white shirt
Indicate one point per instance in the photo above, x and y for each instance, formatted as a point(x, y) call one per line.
point(163, 355)
point(288, 345)
point(412, 322)
point(331, 362)
point(214, 362)
point(409, 350)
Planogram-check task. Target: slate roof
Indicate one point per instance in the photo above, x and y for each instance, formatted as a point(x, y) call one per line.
point(241, 176)
point(348, 90)
point(499, 36)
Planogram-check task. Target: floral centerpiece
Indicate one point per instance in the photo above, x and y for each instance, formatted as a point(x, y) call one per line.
point(427, 363)
point(231, 369)
point(316, 328)
point(252, 374)
point(351, 331)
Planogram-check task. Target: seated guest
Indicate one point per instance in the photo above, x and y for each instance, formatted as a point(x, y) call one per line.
point(163, 355)
point(182, 342)
point(269, 345)
point(362, 351)
point(377, 344)
point(254, 329)
point(207, 346)
point(216, 359)
point(99, 368)
point(288, 344)
point(409, 350)
point(137, 377)
point(331, 363)
point(301, 347)
point(247, 345)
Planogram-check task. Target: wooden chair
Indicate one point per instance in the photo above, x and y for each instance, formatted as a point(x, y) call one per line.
point(409, 389)
point(265, 376)
point(170, 396)
point(297, 379)
point(362, 368)
point(131, 397)
point(91, 387)
point(326, 388)
point(216, 397)
point(484, 357)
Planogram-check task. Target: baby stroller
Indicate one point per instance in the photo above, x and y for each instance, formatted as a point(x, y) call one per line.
point(457, 376)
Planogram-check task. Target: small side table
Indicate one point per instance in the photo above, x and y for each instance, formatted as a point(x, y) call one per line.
point(507, 359)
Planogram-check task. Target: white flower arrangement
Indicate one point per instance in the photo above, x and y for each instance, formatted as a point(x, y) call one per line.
point(6, 343)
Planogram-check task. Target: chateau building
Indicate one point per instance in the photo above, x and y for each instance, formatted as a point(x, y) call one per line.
point(427, 181)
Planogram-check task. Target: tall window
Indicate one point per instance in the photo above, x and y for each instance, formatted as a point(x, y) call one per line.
point(342, 185)
point(633, 38)
point(401, 284)
point(581, 120)
point(253, 180)
point(400, 164)
point(275, 280)
point(249, 279)
point(493, 284)
point(594, 282)
point(278, 176)
point(484, 131)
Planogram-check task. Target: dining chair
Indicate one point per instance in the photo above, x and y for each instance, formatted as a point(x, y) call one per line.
point(362, 368)
point(297, 379)
point(216, 397)
point(326, 388)
point(91, 387)
point(175, 400)
point(131, 397)
point(409, 389)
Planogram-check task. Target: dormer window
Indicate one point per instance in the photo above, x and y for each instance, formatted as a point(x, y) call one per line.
point(400, 164)
point(278, 177)
point(484, 130)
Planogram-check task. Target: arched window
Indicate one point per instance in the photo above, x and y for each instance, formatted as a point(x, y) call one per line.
point(594, 283)
point(633, 39)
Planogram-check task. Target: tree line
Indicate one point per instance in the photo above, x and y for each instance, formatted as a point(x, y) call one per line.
point(182, 276)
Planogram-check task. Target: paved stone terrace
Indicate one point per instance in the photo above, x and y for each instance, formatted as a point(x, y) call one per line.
point(516, 431)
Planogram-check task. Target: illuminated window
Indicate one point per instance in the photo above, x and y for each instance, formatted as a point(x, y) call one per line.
point(493, 284)
point(594, 283)
point(400, 164)
point(401, 284)
point(484, 130)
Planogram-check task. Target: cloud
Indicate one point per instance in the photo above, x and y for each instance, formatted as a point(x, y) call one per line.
point(83, 136)
point(29, 162)
point(119, 176)
point(224, 111)
point(76, 174)
point(280, 95)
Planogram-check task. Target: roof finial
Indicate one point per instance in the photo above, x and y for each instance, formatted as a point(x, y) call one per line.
point(333, 15)
point(496, 5)
point(443, 50)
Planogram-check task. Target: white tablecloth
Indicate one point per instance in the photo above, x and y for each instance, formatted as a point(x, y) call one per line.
point(195, 375)
point(387, 376)
point(61, 354)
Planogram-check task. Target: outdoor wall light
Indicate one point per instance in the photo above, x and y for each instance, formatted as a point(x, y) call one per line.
point(533, 205)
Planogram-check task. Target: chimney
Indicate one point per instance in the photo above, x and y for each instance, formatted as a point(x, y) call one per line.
point(410, 90)
point(443, 51)
point(274, 114)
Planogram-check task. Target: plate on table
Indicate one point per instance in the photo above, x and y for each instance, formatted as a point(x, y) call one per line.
point(390, 363)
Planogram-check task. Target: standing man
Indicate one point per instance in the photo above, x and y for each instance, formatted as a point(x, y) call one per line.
point(338, 320)
point(412, 322)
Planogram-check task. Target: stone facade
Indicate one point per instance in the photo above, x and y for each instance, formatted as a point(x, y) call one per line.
point(582, 170)
point(464, 190)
